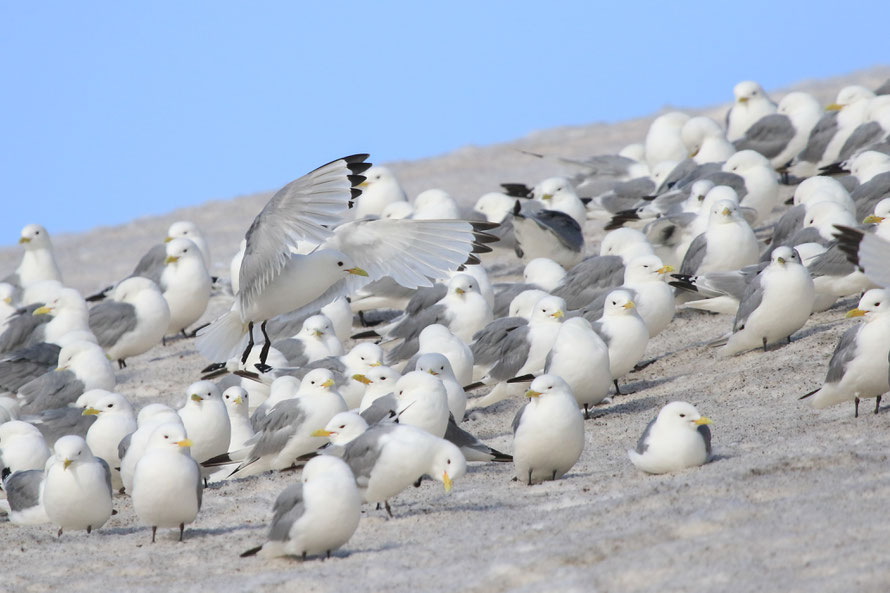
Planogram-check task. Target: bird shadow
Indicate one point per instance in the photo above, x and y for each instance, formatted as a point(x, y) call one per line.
point(629, 407)
point(638, 386)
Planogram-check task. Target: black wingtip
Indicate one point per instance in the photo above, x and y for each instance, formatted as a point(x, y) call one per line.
point(833, 169)
point(357, 159)
point(522, 378)
point(848, 240)
point(356, 179)
point(99, 296)
point(517, 209)
point(483, 225)
point(365, 335)
point(251, 552)
point(473, 386)
point(806, 395)
point(517, 190)
point(223, 459)
point(501, 457)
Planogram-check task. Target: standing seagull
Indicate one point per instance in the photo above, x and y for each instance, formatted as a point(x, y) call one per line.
point(167, 489)
point(38, 261)
point(77, 490)
point(273, 279)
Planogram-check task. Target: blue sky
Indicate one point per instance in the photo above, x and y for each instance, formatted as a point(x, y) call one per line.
point(139, 108)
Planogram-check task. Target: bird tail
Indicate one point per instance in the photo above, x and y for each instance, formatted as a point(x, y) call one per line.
point(806, 395)
point(251, 552)
point(221, 339)
point(500, 457)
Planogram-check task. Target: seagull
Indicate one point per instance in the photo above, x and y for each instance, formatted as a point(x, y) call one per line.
point(751, 104)
point(776, 303)
point(728, 244)
point(132, 447)
point(677, 438)
point(437, 338)
point(38, 261)
point(388, 458)
point(133, 321)
point(581, 358)
point(115, 419)
point(553, 234)
point(206, 420)
point(272, 278)
point(624, 332)
point(858, 367)
point(238, 407)
point(22, 447)
point(167, 488)
point(24, 497)
point(548, 431)
point(422, 402)
point(77, 488)
point(380, 381)
point(48, 322)
point(82, 366)
point(316, 515)
point(25, 364)
point(781, 136)
point(380, 187)
point(437, 365)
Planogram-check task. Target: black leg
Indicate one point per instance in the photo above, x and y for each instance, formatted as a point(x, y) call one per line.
point(586, 412)
point(304, 556)
point(388, 510)
point(89, 529)
point(121, 363)
point(529, 476)
point(249, 343)
point(856, 413)
point(764, 343)
point(154, 531)
point(181, 530)
point(789, 339)
point(617, 391)
point(877, 404)
point(266, 345)
point(163, 340)
point(329, 554)
point(60, 532)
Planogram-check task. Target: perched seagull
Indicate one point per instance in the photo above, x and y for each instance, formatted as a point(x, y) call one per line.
point(132, 447)
point(581, 358)
point(379, 382)
point(677, 438)
point(206, 421)
point(82, 366)
point(133, 321)
point(22, 448)
point(380, 187)
point(185, 283)
point(437, 365)
point(115, 419)
point(65, 312)
point(437, 338)
point(422, 402)
point(316, 515)
point(77, 489)
point(705, 141)
point(553, 234)
point(167, 488)
point(751, 104)
point(548, 431)
point(858, 367)
point(388, 458)
point(776, 303)
point(272, 278)
point(435, 204)
point(624, 332)
point(25, 364)
point(238, 406)
point(783, 135)
point(728, 244)
point(38, 262)
point(24, 497)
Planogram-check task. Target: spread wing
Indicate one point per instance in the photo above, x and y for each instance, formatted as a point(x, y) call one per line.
point(304, 209)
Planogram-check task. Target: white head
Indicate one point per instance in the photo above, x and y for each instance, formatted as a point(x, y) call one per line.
point(326, 467)
point(236, 398)
point(554, 188)
point(744, 161)
point(618, 302)
point(432, 197)
point(153, 413)
point(130, 289)
point(365, 355)
point(785, 255)
point(523, 304)
point(343, 428)
point(448, 464)
point(71, 450)
point(544, 272)
point(201, 393)
point(34, 236)
point(283, 387)
point(681, 415)
point(383, 378)
point(108, 404)
point(549, 309)
point(317, 327)
point(397, 210)
point(724, 212)
point(417, 383)
point(494, 205)
point(67, 299)
point(461, 284)
point(618, 241)
point(850, 95)
point(547, 385)
point(748, 90)
point(169, 436)
point(15, 429)
point(435, 364)
point(876, 300)
point(317, 382)
point(73, 355)
point(646, 268)
point(182, 249)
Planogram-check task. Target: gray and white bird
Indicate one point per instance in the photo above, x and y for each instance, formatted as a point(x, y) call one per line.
point(22, 447)
point(422, 401)
point(82, 366)
point(859, 368)
point(317, 515)
point(206, 421)
point(185, 283)
point(437, 365)
point(776, 303)
point(132, 447)
point(677, 438)
point(167, 488)
point(38, 262)
point(115, 419)
point(624, 332)
point(751, 104)
point(581, 358)
point(548, 432)
point(77, 488)
point(133, 321)
point(727, 244)
point(380, 188)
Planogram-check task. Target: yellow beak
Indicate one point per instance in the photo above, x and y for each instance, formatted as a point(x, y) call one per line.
point(629, 305)
point(872, 219)
point(432, 372)
point(167, 239)
point(24, 240)
point(64, 368)
point(726, 212)
point(197, 398)
point(321, 433)
point(363, 184)
point(362, 379)
point(43, 310)
point(184, 443)
point(91, 412)
point(693, 154)
point(8, 300)
point(547, 197)
point(743, 99)
point(703, 420)
point(665, 269)
point(171, 259)
point(558, 314)
point(532, 393)
point(318, 333)
point(328, 383)
point(238, 400)
point(855, 313)
point(780, 260)
point(357, 272)
point(446, 479)
point(376, 364)
point(66, 463)
point(834, 107)
point(459, 290)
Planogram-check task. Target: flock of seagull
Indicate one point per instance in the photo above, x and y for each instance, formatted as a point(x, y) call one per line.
point(342, 255)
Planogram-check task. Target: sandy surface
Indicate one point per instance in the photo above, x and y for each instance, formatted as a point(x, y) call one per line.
point(794, 501)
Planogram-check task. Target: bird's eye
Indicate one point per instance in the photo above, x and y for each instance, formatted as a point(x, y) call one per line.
point(382, 378)
point(227, 397)
point(682, 415)
point(449, 462)
point(166, 437)
point(312, 382)
point(401, 392)
point(339, 263)
point(36, 232)
point(342, 426)
point(110, 405)
point(877, 304)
